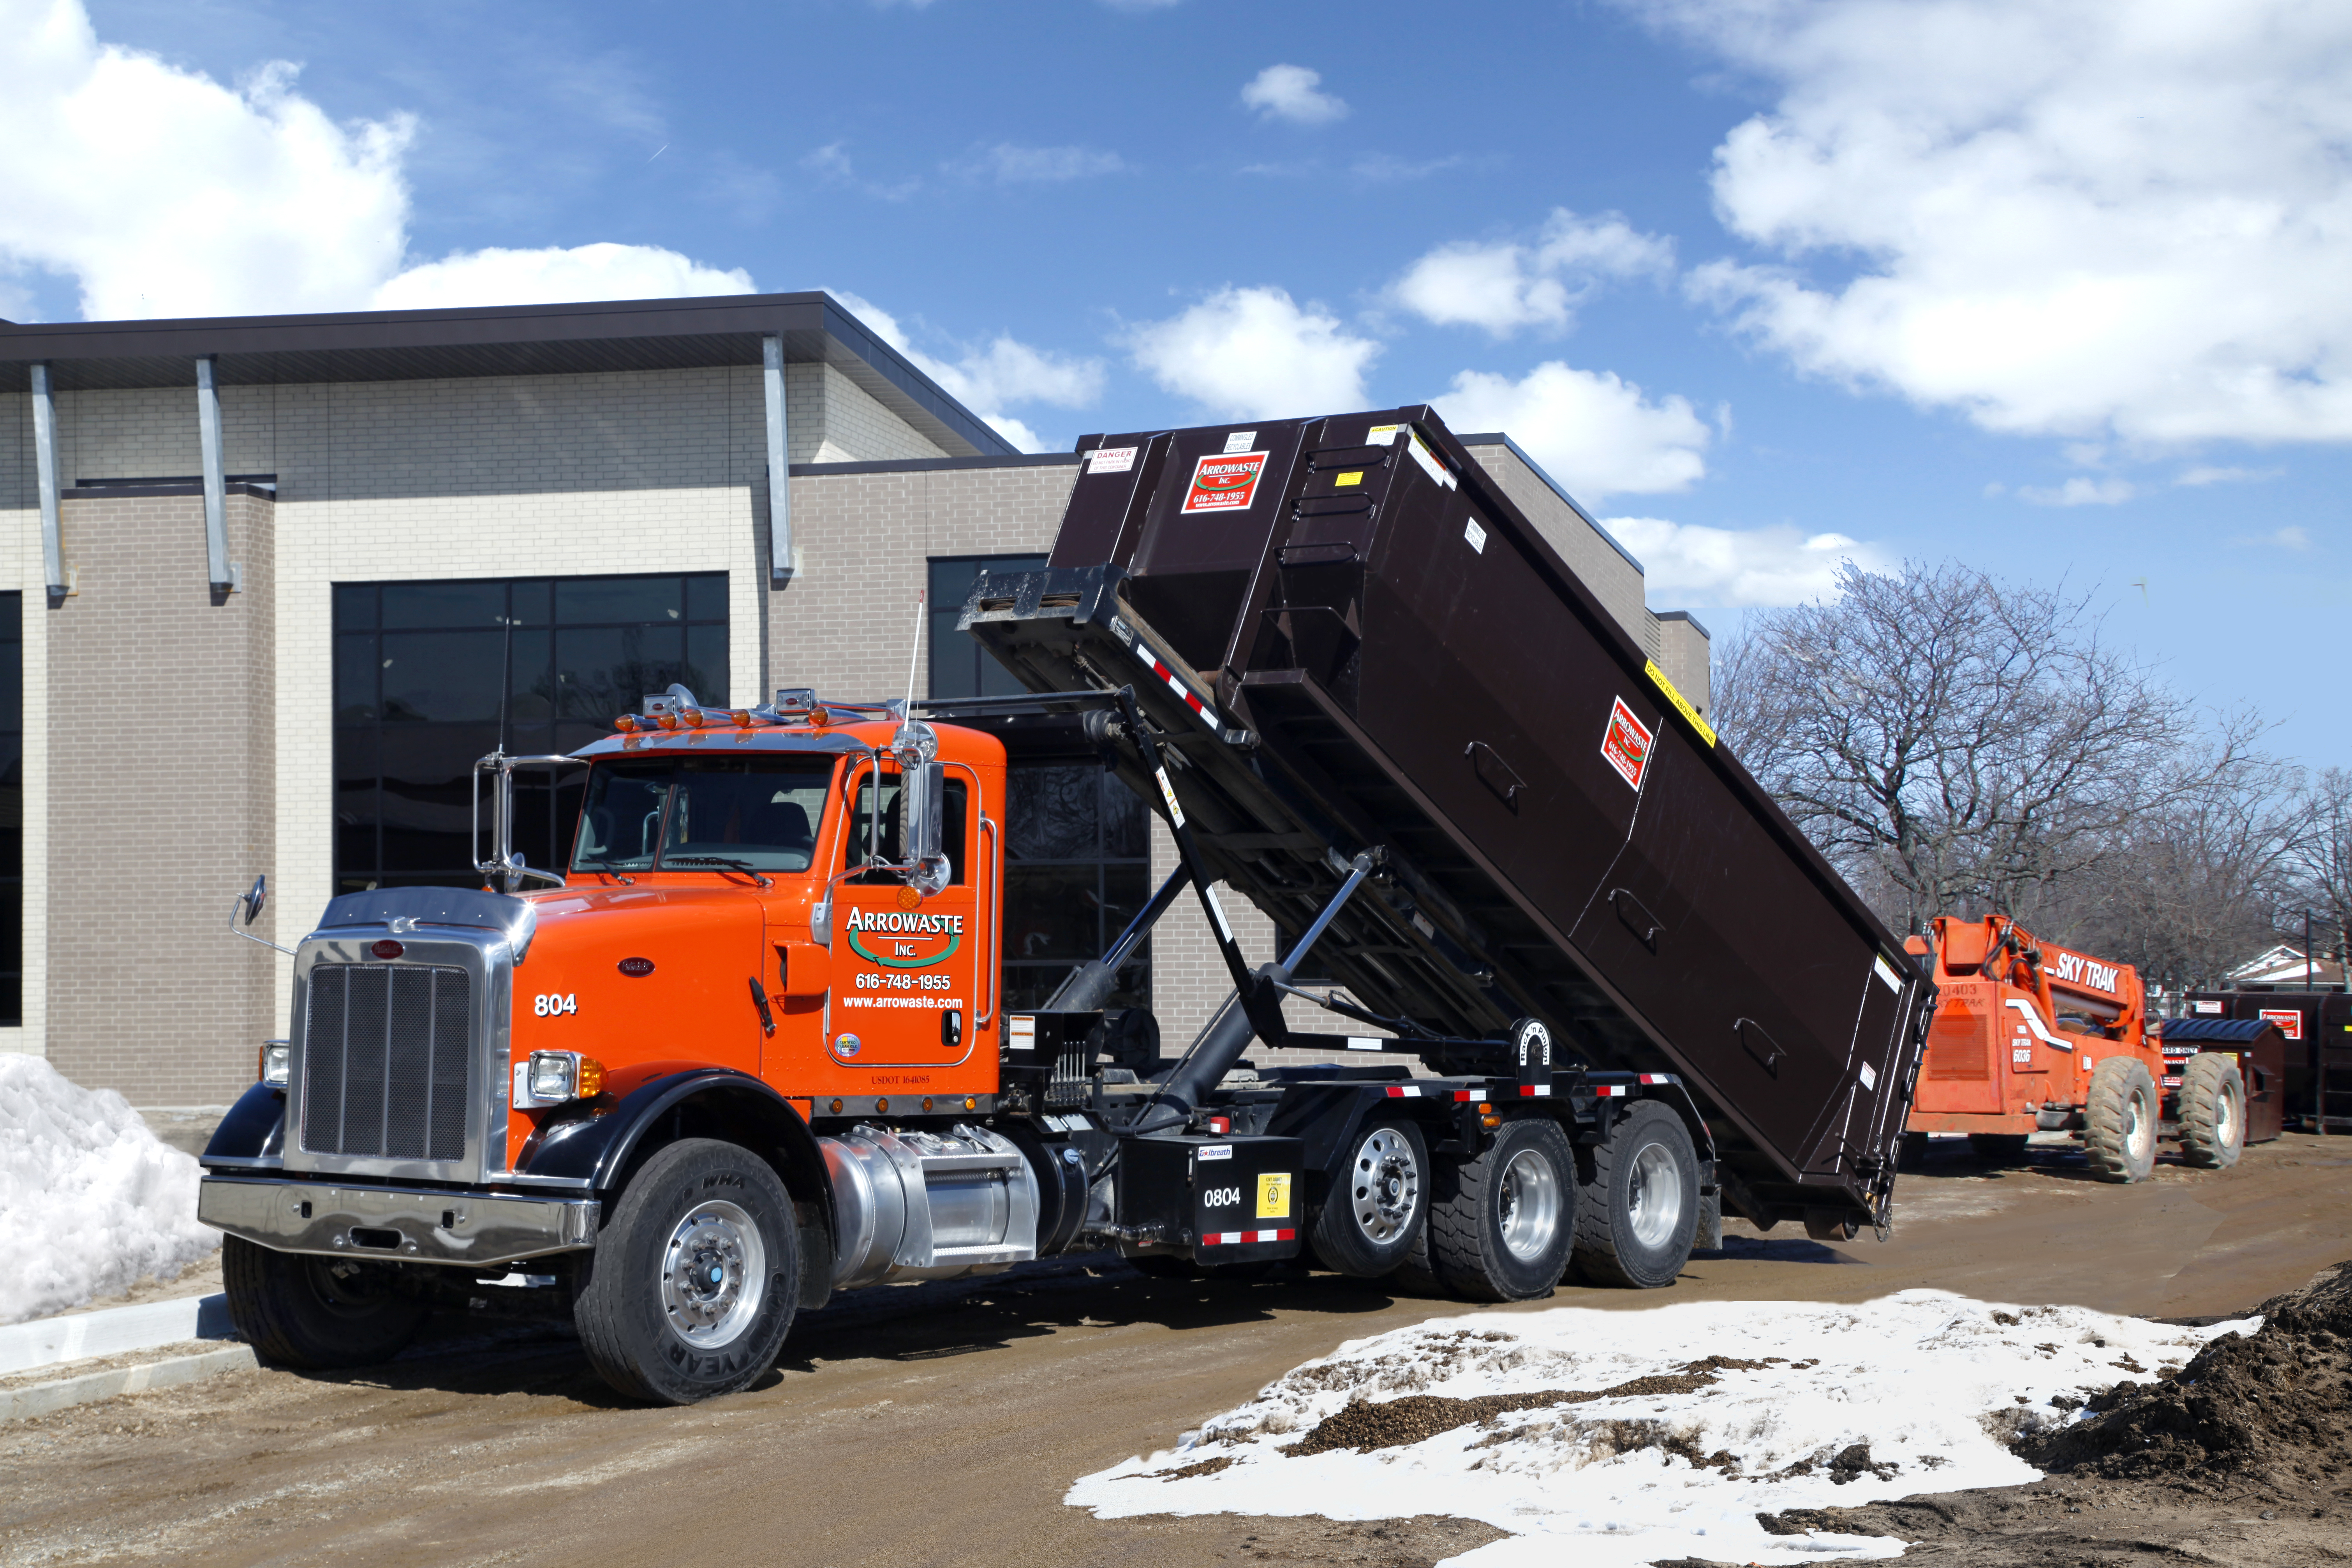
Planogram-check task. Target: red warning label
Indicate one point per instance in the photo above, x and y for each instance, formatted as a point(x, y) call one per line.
point(1226, 483)
point(1627, 745)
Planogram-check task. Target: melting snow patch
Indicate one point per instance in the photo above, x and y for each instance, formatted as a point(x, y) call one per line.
point(90, 1201)
point(1632, 1436)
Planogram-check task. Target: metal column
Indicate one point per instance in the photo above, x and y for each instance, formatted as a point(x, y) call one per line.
point(45, 463)
point(209, 433)
point(779, 499)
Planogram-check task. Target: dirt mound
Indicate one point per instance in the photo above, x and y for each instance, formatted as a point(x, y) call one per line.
point(2273, 1407)
point(1394, 1423)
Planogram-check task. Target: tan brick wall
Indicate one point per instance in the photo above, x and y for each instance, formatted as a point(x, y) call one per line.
point(161, 771)
point(1686, 659)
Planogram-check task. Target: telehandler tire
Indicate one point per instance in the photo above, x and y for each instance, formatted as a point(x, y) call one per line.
point(1637, 1199)
point(2119, 1123)
point(1998, 1148)
point(2212, 1112)
point(314, 1313)
point(1503, 1229)
point(693, 1284)
point(1378, 1201)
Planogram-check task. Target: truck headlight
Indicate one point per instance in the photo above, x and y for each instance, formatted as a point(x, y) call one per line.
point(277, 1062)
point(550, 1078)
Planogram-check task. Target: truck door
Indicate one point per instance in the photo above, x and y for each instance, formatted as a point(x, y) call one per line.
point(907, 969)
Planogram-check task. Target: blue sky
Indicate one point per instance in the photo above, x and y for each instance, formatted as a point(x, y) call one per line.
point(2055, 290)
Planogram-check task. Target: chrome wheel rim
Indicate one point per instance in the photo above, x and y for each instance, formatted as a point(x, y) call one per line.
point(1386, 1190)
point(1530, 1203)
point(1654, 1195)
point(714, 1275)
point(2225, 1117)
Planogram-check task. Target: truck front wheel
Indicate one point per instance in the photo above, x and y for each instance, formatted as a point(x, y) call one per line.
point(1378, 1202)
point(2212, 1112)
point(314, 1313)
point(693, 1283)
point(1637, 1212)
point(1502, 1231)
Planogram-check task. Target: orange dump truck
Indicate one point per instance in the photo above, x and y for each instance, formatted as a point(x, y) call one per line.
point(2029, 1036)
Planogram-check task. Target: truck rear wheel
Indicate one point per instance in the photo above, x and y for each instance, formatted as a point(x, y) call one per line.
point(1378, 1201)
point(2212, 1112)
point(1637, 1203)
point(1503, 1232)
point(315, 1312)
point(2119, 1123)
point(693, 1284)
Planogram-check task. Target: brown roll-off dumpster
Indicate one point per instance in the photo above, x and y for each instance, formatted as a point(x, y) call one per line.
point(1348, 641)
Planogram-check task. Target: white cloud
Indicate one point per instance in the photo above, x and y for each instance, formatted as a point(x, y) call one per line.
point(2080, 491)
point(1293, 93)
point(164, 193)
point(1686, 563)
point(1250, 351)
point(557, 276)
point(2290, 539)
point(985, 380)
point(2132, 218)
point(1596, 434)
point(833, 165)
point(1507, 286)
point(1010, 165)
point(2210, 476)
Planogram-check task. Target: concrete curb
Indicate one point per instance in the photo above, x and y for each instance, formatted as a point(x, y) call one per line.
point(117, 1330)
point(41, 1398)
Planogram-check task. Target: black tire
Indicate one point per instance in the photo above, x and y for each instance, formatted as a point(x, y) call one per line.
point(1912, 1153)
point(1636, 1201)
point(315, 1313)
point(1998, 1148)
point(1501, 1230)
point(1378, 1201)
point(1832, 1225)
point(2119, 1123)
point(651, 1322)
point(2212, 1112)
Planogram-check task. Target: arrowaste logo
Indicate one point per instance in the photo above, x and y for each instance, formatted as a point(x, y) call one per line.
point(904, 939)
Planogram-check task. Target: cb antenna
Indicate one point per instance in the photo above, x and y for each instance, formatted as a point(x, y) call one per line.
point(914, 658)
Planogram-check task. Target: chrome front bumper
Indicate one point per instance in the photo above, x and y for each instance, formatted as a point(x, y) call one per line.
point(396, 1224)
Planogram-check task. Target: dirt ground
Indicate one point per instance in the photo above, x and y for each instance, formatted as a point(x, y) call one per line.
point(941, 1423)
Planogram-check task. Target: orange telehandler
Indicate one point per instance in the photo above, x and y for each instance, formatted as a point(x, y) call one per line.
point(2029, 1036)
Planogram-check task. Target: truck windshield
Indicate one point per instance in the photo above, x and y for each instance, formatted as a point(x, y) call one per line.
point(694, 814)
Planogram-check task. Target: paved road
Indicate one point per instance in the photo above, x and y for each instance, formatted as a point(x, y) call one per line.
point(941, 1423)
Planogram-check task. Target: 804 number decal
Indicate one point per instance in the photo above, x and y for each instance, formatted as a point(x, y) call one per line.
point(549, 1004)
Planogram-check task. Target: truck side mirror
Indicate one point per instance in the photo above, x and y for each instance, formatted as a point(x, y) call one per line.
point(923, 790)
point(253, 900)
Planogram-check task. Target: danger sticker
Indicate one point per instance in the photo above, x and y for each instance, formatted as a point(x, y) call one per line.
point(1110, 460)
point(1226, 483)
point(2288, 1019)
point(1627, 743)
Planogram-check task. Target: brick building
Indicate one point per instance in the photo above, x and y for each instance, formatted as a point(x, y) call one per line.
point(273, 583)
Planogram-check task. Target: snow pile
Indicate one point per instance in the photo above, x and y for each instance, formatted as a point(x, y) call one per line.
point(90, 1201)
point(1609, 1437)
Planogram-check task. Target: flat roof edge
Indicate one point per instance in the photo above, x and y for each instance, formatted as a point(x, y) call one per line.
point(1498, 439)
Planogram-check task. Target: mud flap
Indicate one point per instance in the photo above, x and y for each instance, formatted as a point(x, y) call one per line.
point(1709, 1237)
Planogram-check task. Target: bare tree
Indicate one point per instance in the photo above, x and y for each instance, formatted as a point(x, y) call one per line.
point(1954, 742)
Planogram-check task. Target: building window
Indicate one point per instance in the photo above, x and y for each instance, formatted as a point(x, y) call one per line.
point(430, 676)
point(12, 809)
point(959, 666)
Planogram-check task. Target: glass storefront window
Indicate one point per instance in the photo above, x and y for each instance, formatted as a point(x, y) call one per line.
point(429, 675)
point(12, 809)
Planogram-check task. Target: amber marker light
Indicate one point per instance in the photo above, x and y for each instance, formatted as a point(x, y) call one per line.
point(927, 1102)
point(624, 723)
point(881, 1106)
point(740, 718)
point(837, 1108)
point(971, 1103)
point(666, 720)
point(819, 717)
point(1490, 1118)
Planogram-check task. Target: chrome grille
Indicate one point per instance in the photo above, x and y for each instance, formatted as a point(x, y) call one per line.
point(387, 1061)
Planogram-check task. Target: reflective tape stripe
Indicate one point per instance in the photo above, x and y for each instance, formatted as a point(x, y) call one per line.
point(1609, 1091)
point(1535, 1089)
point(1192, 699)
point(1242, 1238)
point(1469, 1094)
point(1410, 1092)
